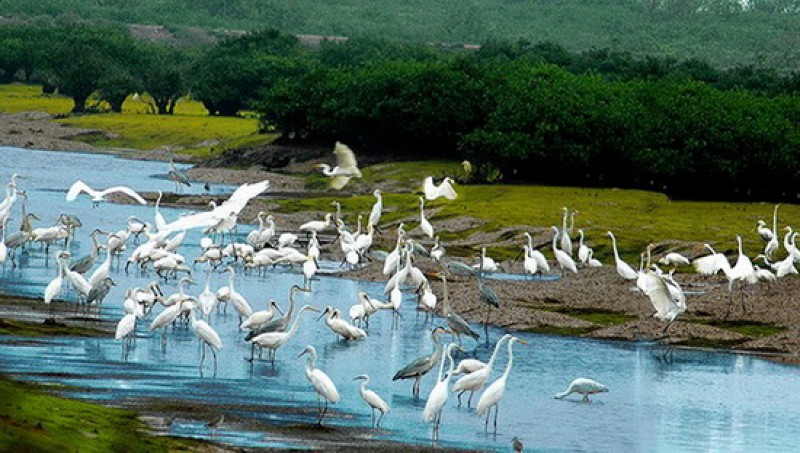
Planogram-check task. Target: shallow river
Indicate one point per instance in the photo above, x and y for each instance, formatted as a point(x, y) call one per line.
point(690, 400)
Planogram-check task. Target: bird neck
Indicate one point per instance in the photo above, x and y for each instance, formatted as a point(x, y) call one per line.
point(495, 353)
point(510, 360)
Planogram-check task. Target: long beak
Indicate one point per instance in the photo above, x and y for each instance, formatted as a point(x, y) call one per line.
point(323, 314)
point(522, 341)
point(301, 354)
point(279, 310)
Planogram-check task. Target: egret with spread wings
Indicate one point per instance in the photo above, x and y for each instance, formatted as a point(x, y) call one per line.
point(100, 195)
point(346, 166)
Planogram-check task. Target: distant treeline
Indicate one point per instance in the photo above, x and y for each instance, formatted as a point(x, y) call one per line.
point(521, 112)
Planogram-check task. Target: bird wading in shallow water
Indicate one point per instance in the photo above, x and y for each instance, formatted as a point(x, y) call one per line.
point(583, 386)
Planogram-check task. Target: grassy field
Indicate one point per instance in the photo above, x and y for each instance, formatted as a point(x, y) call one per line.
point(190, 129)
point(636, 217)
point(33, 420)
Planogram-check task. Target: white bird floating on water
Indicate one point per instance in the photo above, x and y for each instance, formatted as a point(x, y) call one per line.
point(583, 386)
point(100, 195)
point(346, 166)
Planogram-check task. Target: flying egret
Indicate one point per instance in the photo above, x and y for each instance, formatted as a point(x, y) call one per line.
point(98, 196)
point(438, 396)
point(666, 296)
point(491, 397)
point(373, 400)
point(445, 189)
point(422, 365)
point(320, 381)
point(623, 269)
point(474, 381)
point(346, 167)
point(583, 386)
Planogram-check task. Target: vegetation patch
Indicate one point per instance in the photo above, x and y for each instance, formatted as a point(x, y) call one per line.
point(746, 328)
point(604, 318)
point(559, 330)
point(33, 420)
point(48, 328)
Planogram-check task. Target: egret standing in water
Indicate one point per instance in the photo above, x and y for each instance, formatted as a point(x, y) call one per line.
point(491, 397)
point(373, 400)
point(438, 396)
point(320, 381)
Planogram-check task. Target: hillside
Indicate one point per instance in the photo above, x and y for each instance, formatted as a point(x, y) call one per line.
point(715, 30)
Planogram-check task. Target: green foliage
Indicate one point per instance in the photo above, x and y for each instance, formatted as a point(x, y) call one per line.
point(33, 420)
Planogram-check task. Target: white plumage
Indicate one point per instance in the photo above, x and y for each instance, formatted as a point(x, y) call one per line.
point(583, 386)
point(623, 269)
point(445, 189)
point(99, 195)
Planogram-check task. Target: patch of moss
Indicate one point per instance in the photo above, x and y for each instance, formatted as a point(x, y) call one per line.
point(746, 328)
point(596, 316)
point(559, 330)
point(709, 343)
point(49, 328)
point(33, 420)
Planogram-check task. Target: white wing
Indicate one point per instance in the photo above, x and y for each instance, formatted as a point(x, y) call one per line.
point(429, 188)
point(242, 195)
point(323, 385)
point(126, 190)
point(345, 157)
point(338, 182)
point(78, 187)
point(707, 265)
point(658, 293)
point(446, 189)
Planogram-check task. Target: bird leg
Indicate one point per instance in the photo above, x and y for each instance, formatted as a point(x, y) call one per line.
point(373, 417)
point(202, 354)
point(379, 420)
point(496, 409)
point(486, 323)
point(469, 401)
point(459, 397)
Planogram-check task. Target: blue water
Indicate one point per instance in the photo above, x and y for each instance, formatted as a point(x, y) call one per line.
point(689, 400)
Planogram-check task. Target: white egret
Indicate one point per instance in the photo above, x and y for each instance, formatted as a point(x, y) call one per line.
point(322, 384)
point(563, 258)
point(772, 243)
point(565, 239)
point(239, 302)
point(782, 268)
point(583, 386)
point(583, 249)
point(260, 317)
point(424, 224)
point(341, 327)
point(486, 262)
point(438, 395)
point(274, 340)
point(742, 272)
point(377, 210)
point(467, 366)
point(674, 259)
point(473, 382)
point(541, 262)
point(593, 262)
point(346, 167)
point(316, 226)
point(100, 195)
point(445, 189)
point(623, 269)
point(373, 400)
point(207, 336)
point(362, 310)
point(437, 251)
point(53, 288)
point(668, 305)
point(491, 397)
point(711, 264)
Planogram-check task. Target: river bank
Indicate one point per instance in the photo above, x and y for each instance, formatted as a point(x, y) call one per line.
point(594, 303)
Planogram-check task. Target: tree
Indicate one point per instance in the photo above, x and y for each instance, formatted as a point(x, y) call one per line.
point(115, 86)
point(163, 69)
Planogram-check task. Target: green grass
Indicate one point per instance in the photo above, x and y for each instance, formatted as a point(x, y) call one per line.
point(33, 420)
point(603, 318)
point(30, 329)
point(746, 328)
point(190, 130)
point(637, 217)
point(24, 98)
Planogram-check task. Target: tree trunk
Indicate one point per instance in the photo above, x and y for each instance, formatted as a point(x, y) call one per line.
point(80, 102)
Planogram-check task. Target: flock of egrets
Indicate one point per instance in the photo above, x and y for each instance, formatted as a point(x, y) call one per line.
point(273, 328)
